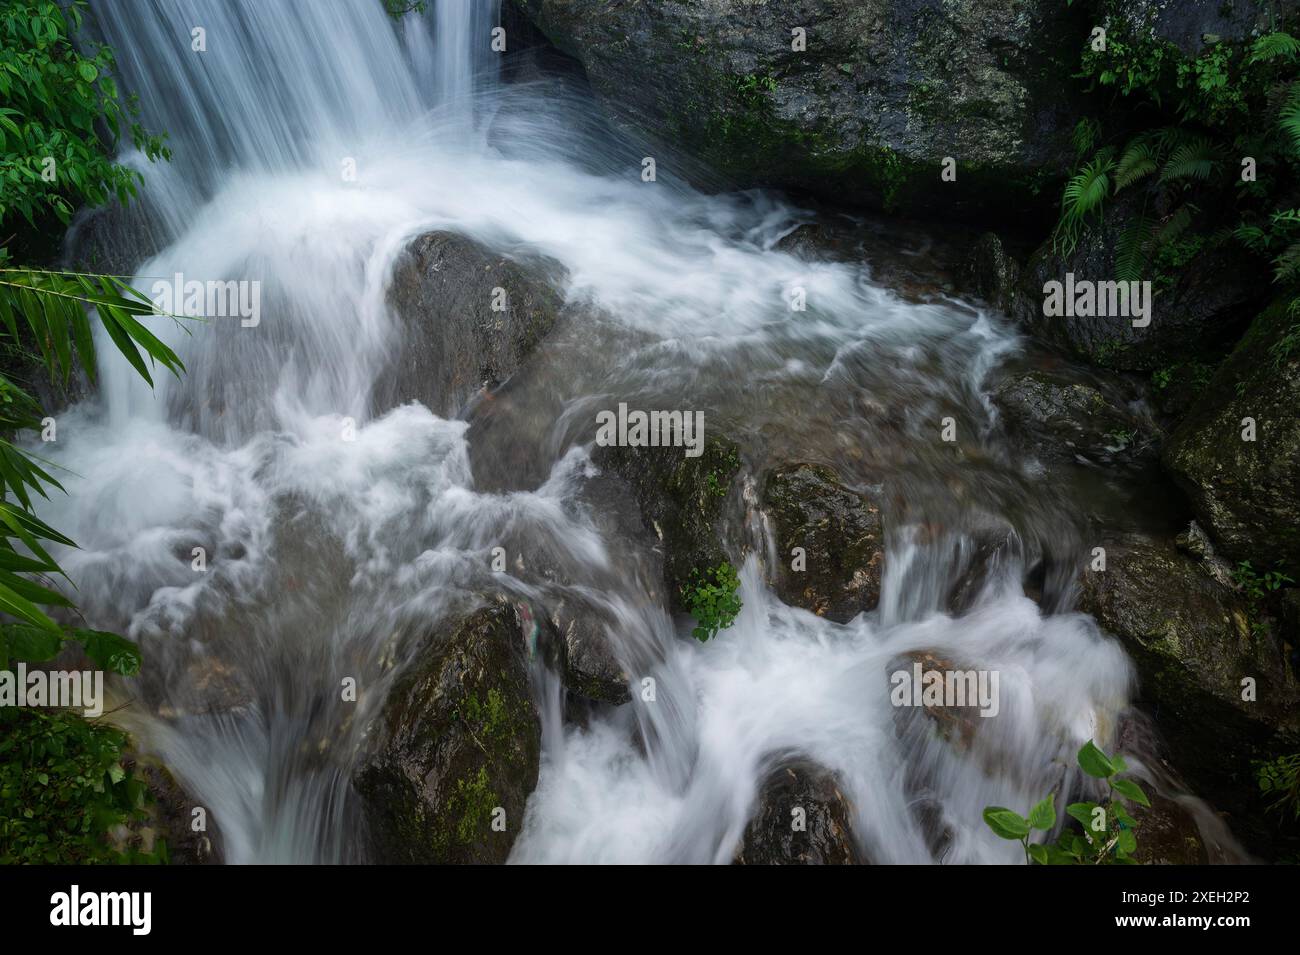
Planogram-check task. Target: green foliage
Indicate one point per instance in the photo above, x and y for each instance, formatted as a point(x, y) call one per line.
point(1083, 197)
point(62, 788)
point(1279, 781)
point(56, 101)
point(1255, 585)
point(1196, 118)
point(62, 783)
point(400, 8)
point(711, 597)
point(1106, 835)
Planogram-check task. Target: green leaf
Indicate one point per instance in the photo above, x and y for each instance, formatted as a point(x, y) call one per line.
point(87, 71)
point(1094, 762)
point(1083, 812)
point(1131, 790)
point(110, 651)
point(1039, 854)
point(1006, 823)
point(1043, 815)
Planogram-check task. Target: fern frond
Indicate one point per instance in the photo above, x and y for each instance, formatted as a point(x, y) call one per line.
point(1274, 46)
point(1083, 196)
point(1195, 159)
point(1132, 252)
point(1140, 158)
point(1286, 267)
point(1289, 118)
point(1175, 224)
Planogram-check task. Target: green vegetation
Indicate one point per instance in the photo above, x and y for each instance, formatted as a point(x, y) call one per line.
point(1105, 836)
point(62, 783)
point(62, 788)
point(52, 158)
point(1255, 585)
point(1217, 137)
point(711, 597)
point(1279, 781)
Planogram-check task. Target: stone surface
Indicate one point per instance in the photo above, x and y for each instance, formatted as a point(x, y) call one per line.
point(841, 533)
point(470, 317)
point(1246, 494)
point(459, 738)
point(883, 92)
point(827, 836)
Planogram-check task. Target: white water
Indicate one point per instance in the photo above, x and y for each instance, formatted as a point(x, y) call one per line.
point(325, 554)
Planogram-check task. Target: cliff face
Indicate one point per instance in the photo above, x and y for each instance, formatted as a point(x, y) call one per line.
point(859, 101)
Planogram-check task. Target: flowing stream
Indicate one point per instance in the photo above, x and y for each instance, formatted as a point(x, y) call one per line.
point(324, 555)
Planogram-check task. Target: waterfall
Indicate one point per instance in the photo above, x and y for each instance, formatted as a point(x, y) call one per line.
point(324, 555)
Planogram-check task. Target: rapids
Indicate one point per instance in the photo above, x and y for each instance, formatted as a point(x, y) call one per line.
point(325, 555)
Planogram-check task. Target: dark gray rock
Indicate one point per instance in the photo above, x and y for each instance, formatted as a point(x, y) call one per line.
point(841, 533)
point(1193, 313)
point(1064, 418)
point(801, 818)
point(455, 344)
point(1192, 640)
point(992, 273)
point(459, 738)
point(1246, 494)
point(682, 500)
point(866, 114)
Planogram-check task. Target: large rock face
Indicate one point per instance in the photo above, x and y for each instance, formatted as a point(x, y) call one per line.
point(884, 90)
point(1192, 639)
point(1247, 493)
point(1193, 313)
point(801, 818)
point(459, 739)
point(842, 537)
point(470, 316)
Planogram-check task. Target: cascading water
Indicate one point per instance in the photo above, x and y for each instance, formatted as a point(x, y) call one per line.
point(324, 554)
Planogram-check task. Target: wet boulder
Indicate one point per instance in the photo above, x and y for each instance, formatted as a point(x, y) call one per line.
point(454, 753)
point(1237, 453)
point(841, 535)
point(1194, 641)
point(168, 815)
point(992, 273)
point(1193, 313)
point(801, 818)
point(682, 500)
point(592, 670)
point(470, 316)
point(1061, 416)
point(856, 101)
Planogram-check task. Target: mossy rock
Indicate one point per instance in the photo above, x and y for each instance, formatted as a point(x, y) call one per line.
point(1247, 493)
point(884, 91)
point(1192, 640)
point(842, 536)
point(458, 744)
point(682, 500)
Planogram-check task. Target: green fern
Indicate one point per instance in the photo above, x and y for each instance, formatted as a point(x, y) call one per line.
point(1132, 252)
point(1140, 158)
point(1083, 197)
point(1289, 118)
point(1274, 46)
point(1286, 267)
point(1195, 159)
